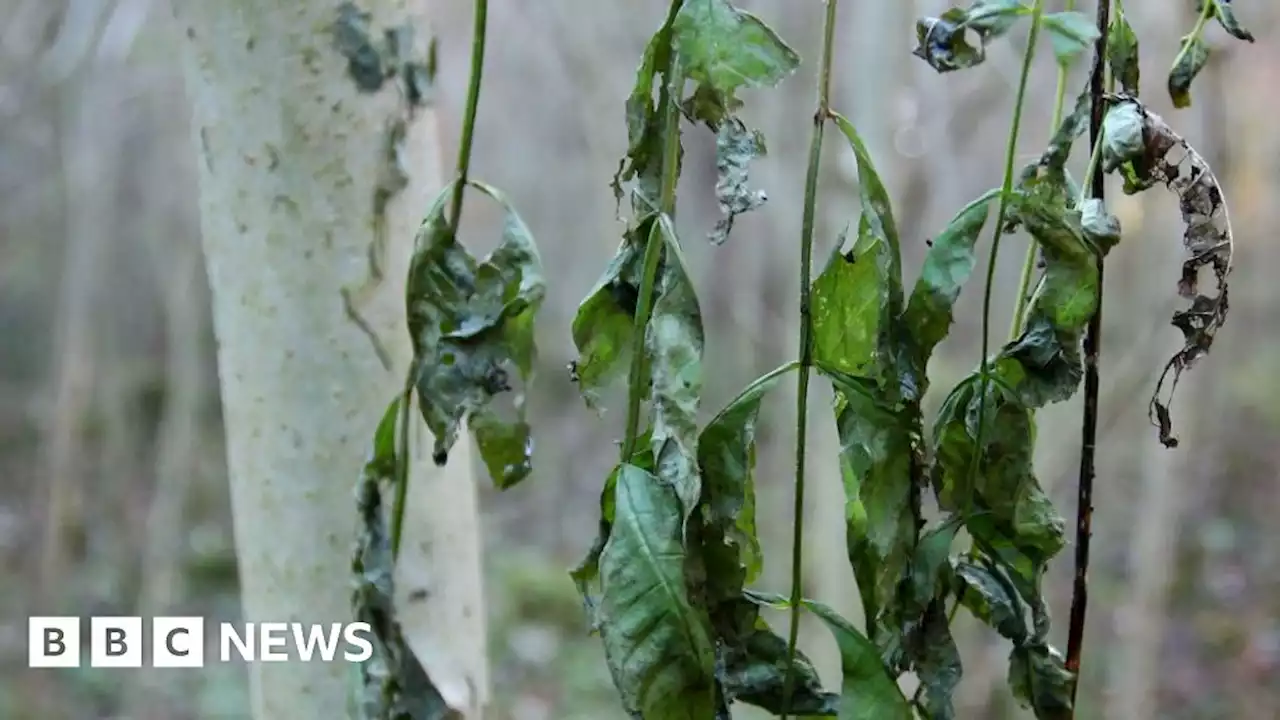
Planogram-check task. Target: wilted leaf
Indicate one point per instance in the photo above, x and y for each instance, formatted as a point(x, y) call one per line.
point(1100, 227)
point(604, 325)
point(1226, 15)
point(724, 49)
point(471, 325)
point(937, 661)
point(942, 42)
point(1208, 242)
point(1071, 33)
point(728, 49)
point(1040, 681)
point(879, 464)
point(673, 344)
point(1047, 178)
point(1122, 52)
point(727, 458)
point(755, 664)
point(643, 161)
point(1015, 511)
point(1191, 59)
point(947, 267)
point(993, 598)
point(392, 682)
point(736, 147)
point(656, 641)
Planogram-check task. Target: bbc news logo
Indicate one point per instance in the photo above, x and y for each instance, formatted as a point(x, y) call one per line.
point(179, 642)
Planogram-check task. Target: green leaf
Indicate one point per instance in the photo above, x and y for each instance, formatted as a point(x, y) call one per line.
point(1122, 52)
point(605, 322)
point(728, 49)
point(1226, 15)
point(867, 691)
point(941, 41)
point(1071, 33)
point(656, 641)
point(850, 306)
point(1040, 681)
point(1191, 59)
point(877, 210)
point(673, 343)
point(471, 324)
point(947, 267)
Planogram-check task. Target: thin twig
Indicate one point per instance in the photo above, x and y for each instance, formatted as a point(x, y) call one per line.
point(1092, 349)
point(806, 345)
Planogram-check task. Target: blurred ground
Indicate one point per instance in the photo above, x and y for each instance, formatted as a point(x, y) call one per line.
point(109, 419)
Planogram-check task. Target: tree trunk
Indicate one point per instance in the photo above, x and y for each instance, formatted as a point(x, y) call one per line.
point(290, 155)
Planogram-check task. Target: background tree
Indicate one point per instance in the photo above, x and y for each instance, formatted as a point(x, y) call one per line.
point(313, 177)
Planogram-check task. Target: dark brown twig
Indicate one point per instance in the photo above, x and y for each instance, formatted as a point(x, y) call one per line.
point(1092, 349)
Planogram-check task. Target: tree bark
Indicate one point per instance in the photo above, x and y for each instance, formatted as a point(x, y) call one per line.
point(290, 153)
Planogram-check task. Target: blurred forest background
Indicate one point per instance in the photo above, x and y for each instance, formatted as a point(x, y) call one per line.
point(113, 496)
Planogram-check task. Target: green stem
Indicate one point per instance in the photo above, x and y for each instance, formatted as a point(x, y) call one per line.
point(473, 103)
point(806, 345)
point(1206, 12)
point(1029, 262)
point(1006, 193)
point(402, 462)
point(670, 103)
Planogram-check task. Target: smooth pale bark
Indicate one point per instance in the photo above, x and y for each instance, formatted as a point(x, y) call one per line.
point(289, 153)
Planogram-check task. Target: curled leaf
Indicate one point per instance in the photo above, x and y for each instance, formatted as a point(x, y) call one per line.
point(472, 325)
point(947, 267)
point(1041, 681)
point(605, 322)
point(1226, 16)
point(944, 43)
point(1208, 243)
point(736, 147)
